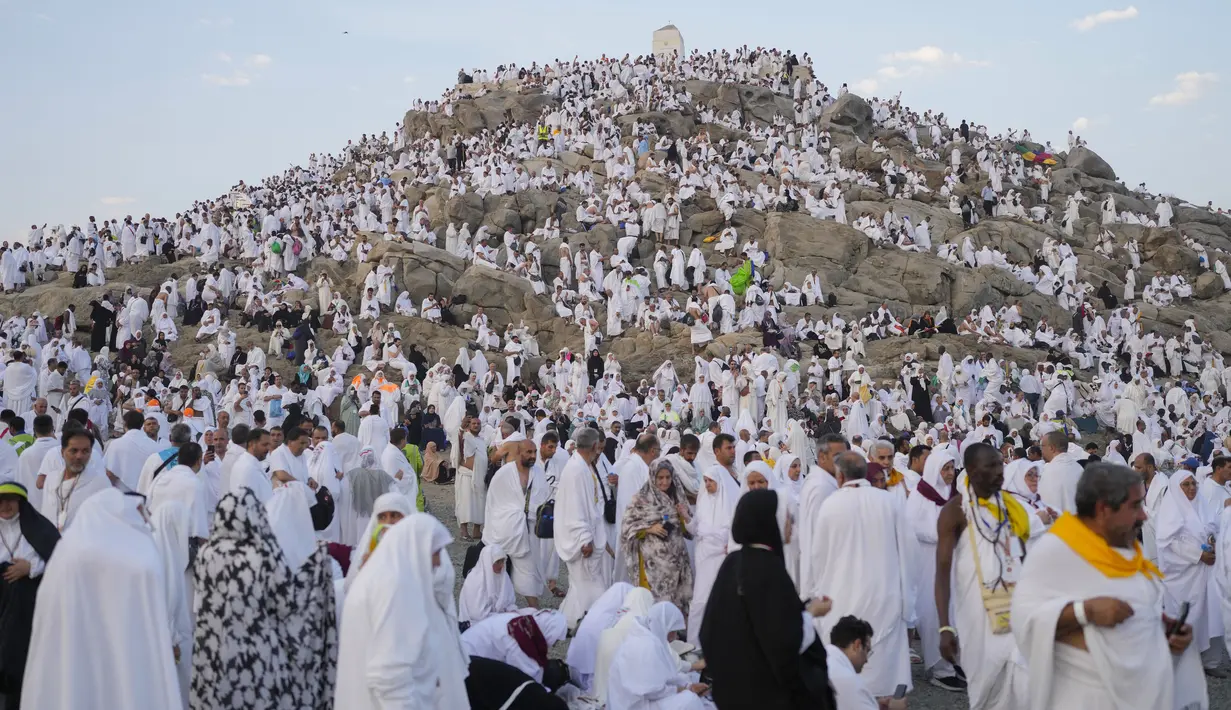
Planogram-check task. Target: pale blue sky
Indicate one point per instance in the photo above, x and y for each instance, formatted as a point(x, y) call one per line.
point(125, 107)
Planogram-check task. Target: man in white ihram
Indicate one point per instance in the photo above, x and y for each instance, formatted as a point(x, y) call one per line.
point(1087, 611)
point(861, 561)
point(1058, 482)
point(581, 529)
point(517, 489)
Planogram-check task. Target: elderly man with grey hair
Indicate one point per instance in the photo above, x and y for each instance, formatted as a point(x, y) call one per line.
point(165, 459)
point(1090, 613)
point(583, 528)
point(899, 483)
point(861, 558)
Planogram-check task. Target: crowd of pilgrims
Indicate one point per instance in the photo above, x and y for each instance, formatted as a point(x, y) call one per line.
point(264, 543)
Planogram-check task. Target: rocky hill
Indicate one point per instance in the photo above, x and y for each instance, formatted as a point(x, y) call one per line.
point(860, 275)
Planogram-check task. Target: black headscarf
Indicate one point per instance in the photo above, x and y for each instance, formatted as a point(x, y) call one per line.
point(756, 521)
point(751, 632)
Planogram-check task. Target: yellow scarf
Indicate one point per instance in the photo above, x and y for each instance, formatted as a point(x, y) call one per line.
point(895, 478)
point(1092, 548)
point(1019, 522)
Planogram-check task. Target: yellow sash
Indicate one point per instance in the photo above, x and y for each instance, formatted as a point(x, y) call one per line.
point(1019, 521)
point(1092, 548)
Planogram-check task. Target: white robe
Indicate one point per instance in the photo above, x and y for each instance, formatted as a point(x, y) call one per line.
point(398, 645)
point(127, 649)
point(579, 521)
point(864, 564)
point(996, 672)
point(645, 673)
point(126, 455)
point(485, 592)
point(1127, 667)
point(507, 516)
point(711, 534)
point(817, 487)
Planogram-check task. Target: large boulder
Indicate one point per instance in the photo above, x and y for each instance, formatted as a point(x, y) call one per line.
point(893, 274)
point(1089, 162)
point(466, 209)
point(1176, 258)
point(1208, 285)
point(1018, 239)
point(852, 112)
point(761, 104)
point(1185, 214)
point(503, 295)
point(798, 243)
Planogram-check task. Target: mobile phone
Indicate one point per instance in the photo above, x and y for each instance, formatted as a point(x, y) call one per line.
point(1179, 623)
point(900, 692)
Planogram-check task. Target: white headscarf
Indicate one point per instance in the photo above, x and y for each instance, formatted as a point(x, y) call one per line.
point(403, 589)
point(290, 518)
point(108, 533)
point(1114, 454)
point(762, 468)
point(1016, 483)
point(782, 479)
point(392, 501)
point(601, 616)
point(485, 592)
point(715, 510)
point(931, 471)
point(637, 603)
point(1178, 517)
point(644, 662)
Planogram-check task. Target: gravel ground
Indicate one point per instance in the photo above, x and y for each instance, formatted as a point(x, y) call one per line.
point(924, 696)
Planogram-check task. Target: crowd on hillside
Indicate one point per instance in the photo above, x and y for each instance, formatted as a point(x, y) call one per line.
point(775, 526)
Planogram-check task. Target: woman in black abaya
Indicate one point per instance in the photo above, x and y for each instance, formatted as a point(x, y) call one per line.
point(28, 541)
point(754, 623)
point(920, 397)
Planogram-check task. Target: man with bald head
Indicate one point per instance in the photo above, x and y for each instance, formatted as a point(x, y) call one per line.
point(996, 673)
point(517, 490)
point(40, 408)
point(1156, 485)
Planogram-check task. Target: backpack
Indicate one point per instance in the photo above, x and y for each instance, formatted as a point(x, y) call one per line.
point(545, 520)
point(322, 512)
point(296, 247)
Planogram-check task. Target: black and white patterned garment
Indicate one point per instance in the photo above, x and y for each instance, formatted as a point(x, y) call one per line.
point(240, 657)
point(310, 632)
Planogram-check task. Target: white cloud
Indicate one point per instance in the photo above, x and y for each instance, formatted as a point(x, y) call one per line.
point(930, 56)
point(1089, 22)
point(215, 22)
point(238, 76)
point(1189, 87)
point(409, 79)
point(43, 16)
point(1081, 124)
point(923, 55)
point(928, 59)
point(864, 87)
point(235, 79)
point(117, 200)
